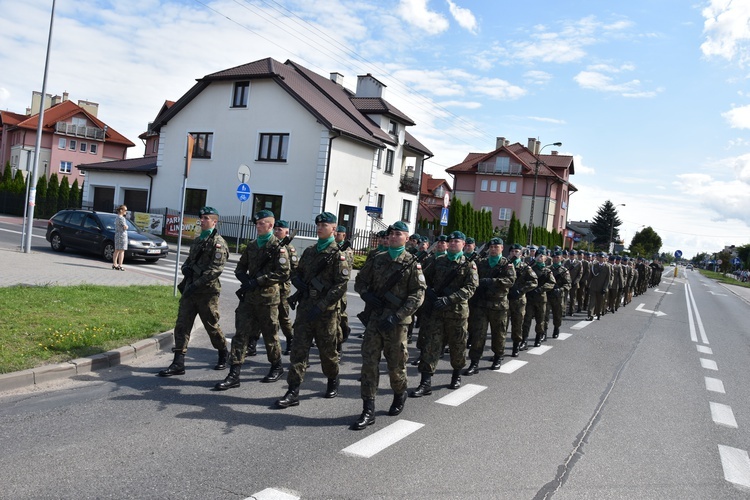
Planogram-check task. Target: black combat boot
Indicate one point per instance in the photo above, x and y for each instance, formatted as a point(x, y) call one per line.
point(274, 373)
point(515, 350)
point(232, 380)
point(424, 388)
point(538, 340)
point(399, 400)
point(291, 398)
point(367, 417)
point(288, 349)
point(332, 389)
point(176, 368)
point(522, 346)
point(455, 380)
point(252, 349)
point(473, 369)
point(222, 363)
point(556, 332)
point(496, 362)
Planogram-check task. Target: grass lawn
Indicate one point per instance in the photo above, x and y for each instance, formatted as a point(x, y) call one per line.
point(52, 324)
point(729, 280)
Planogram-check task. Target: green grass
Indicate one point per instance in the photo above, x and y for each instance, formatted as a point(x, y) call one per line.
point(53, 324)
point(728, 279)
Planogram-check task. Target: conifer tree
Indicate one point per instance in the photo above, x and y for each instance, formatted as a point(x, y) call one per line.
point(41, 198)
point(63, 192)
point(7, 179)
point(52, 191)
point(74, 199)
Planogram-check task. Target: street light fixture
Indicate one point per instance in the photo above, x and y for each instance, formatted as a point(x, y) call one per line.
point(612, 229)
point(533, 195)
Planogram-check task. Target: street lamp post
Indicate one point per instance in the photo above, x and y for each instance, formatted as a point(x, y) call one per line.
point(533, 194)
point(612, 229)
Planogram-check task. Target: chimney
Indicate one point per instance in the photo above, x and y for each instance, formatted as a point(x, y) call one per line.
point(56, 100)
point(337, 78)
point(554, 153)
point(65, 96)
point(533, 145)
point(369, 86)
point(500, 142)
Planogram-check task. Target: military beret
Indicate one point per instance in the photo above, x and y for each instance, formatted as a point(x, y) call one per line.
point(457, 235)
point(565, 252)
point(601, 254)
point(625, 259)
point(612, 258)
point(557, 253)
point(556, 248)
point(541, 249)
point(341, 229)
point(207, 211)
point(424, 239)
point(262, 215)
point(517, 246)
point(327, 217)
point(573, 252)
point(400, 226)
point(640, 258)
point(414, 236)
point(281, 223)
point(532, 247)
point(618, 257)
point(496, 241)
point(442, 237)
point(469, 239)
point(382, 234)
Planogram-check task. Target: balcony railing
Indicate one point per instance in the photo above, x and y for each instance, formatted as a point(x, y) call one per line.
point(94, 133)
point(491, 168)
point(409, 184)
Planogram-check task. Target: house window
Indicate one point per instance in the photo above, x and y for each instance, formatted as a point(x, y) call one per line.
point(389, 161)
point(270, 202)
point(505, 214)
point(66, 167)
point(84, 147)
point(61, 143)
point(92, 149)
point(487, 209)
point(194, 200)
point(273, 147)
point(483, 186)
point(439, 192)
point(503, 186)
point(378, 155)
point(502, 165)
point(72, 145)
point(241, 91)
point(512, 187)
point(406, 210)
point(155, 149)
point(204, 142)
point(493, 186)
point(393, 128)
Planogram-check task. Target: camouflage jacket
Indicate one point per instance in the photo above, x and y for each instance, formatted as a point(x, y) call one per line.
point(286, 286)
point(205, 262)
point(269, 265)
point(562, 281)
point(545, 283)
point(494, 295)
point(459, 290)
point(526, 280)
point(575, 269)
point(326, 282)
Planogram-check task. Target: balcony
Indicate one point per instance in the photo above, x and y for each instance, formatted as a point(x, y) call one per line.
point(409, 184)
point(493, 168)
point(93, 133)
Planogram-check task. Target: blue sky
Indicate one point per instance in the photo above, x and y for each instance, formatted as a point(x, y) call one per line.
point(650, 97)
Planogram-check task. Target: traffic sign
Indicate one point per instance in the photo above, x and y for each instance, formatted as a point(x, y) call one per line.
point(444, 217)
point(243, 192)
point(677, 254)
point(736, 261)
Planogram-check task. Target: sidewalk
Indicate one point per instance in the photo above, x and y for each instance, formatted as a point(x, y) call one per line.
point(740, 291)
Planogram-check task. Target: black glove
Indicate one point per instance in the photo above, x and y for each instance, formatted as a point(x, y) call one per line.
point(242, 277)
point(388, 322)
point(189, 289)
point(430, 295)
point(187, 272)
point(372, 300)
point(299, 284)
point(314, 313)
point(441, 303)
point(604, 292)
point(485, 282)
point(251, 285)
point(557, 292)
point(514, 294)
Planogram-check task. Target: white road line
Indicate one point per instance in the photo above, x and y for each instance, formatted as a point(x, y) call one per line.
point(382, 439)
point(698, 317)
point(272, 494)
point(705, 350)
point(564, 336)
point(461, 395)
point(723, 415)
point(693, 335)
point(709, 364)
point(580, 325)
point(511, 366)
point(540, 350)
point(714, 385)
point(736, 464)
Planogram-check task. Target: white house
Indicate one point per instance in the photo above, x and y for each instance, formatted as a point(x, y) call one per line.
point(310, 144)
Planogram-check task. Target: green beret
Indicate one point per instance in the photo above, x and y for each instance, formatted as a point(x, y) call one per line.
point(382, 234)
point(400, 226)
point(424, 239)
point(541, 249)
point(469, 239)
point(207, 211)
point(341, 229)
point(262, 215)
point(516, 246)
point(281, 223)
point(557, 253)
point(497, 241)
point(327, 217)
point(414, 236)
point(457, 235)
point(573, 252)
point(532, 247)
point(442, 237)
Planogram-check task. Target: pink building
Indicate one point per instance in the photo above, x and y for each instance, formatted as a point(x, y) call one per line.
point(502, 181)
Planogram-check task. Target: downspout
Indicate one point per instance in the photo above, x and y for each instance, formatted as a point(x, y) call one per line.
point(328, 171)
point(150, 187)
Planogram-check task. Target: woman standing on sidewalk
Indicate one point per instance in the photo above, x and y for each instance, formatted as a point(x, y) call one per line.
point(121, 238)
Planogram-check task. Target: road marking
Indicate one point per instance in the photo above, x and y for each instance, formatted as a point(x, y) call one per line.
point(272, 494)
point(382, 439)
point(705, 350)
point(564, 336)
point(691, 322)
point(736, 464)
point(580, 325)
point(723, 415)
point(697, 315)
point(461, 395)
point(716, 293)
point(659, 291)
point(709, 364)
point(540, 350)
point(714, 385)
point(511, 366)
point(657, 313)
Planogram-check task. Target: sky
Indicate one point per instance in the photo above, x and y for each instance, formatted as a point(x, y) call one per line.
point(650, 97)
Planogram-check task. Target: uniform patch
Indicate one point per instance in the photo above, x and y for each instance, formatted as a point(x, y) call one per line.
point(282, 250)
point(421, 278)
point(473, 265)
point(419, 266)
point(217, 255)
point(345, 272)
point(294, 258)
point(282, 260)
point(218, 245)
point(342, 257)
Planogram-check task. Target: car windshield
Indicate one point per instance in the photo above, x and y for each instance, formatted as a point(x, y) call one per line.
point(108, 220)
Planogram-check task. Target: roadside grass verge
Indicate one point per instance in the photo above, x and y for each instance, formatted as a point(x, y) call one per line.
point(53, 324)
point(729, 280)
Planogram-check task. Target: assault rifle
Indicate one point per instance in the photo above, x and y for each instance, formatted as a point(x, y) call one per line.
point(294, 299)
point(384, 294)
point(423, 254)
point(269, 254)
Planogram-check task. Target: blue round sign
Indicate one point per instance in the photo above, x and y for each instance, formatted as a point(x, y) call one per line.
point(677, 254)
point(243, 192)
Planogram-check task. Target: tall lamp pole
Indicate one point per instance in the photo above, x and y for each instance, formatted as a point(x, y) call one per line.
point(612, 229)
point(533, 195)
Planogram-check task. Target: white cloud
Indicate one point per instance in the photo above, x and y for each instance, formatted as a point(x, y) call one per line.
point(543, 119)
point(727, 29)
point(726, 199)
point(738, 117)
point(537, 77)
point(580, 168)
point(463, 17)
point(497, 88)
point(461, 104)
point(594, 78)
point(416, 13)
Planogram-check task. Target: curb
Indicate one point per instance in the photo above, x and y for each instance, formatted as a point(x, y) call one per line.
point(732, 289)
point(122, 356)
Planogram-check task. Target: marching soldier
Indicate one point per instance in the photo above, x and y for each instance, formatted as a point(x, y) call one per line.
point(575, 269)
point(588, 261)
point(281, 231)
point(382, 245)
point(628, 273)
point(615, 287)
point(321, 278)
point(344, 329)
point(200, 290)
point(598, 286)
point(531, 258)
point(413, 243)
point(489, 306)
point(263, 266)
point(536, 304)
point(555, 296)
point(470, 247)
point(640, 286)
point(441, 246)
point(392, 285)
point(526, 281)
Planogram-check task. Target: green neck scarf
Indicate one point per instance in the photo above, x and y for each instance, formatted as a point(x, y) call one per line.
point(438, 254)
point(323, 243)
point(455, 256)
point(516, 261)
point(394, 252)
point(540, 264)
point(205, 234)
point(382, 248)
point(557, 265)
point(262, 240)
point(493, 260)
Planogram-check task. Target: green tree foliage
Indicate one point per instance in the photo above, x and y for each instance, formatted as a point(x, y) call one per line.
point(645, 243)
point(699, 258)
point(19, 183)
point(52, 190)
point(41, 198)
point(743, 253)
point(605, 224)
point(726, 261)
point(63, 192)
point(74, 200)
point(7, 179)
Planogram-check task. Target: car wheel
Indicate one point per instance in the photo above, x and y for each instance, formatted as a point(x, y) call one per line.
point(108, 251)
point(56, 243)
point(152, 259)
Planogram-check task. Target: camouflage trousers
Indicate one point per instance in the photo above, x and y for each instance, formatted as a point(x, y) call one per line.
point(343, 330)
point(535, 310)
point(517, 312)
point(285, 322)
point(324, 331)
point(596, 303)
point(439, 331)
point(252, 320)
point(392, 344)
point(479, 320)
point(207, 307)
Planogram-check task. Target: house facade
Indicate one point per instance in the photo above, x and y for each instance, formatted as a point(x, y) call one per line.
point(308, 144)
point(432, 199)
point(72, 134)
point(512, 178)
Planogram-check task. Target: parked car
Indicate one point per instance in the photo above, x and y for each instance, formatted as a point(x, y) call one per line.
point(95, 232)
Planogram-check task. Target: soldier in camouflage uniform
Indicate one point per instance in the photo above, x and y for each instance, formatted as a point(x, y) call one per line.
point(200, 290)
point(575, 269)
point(321, 278)
point(344, 330)
point(489, 306)
point(392, 285)
point(599, 286)
point(263, 266)
point(627, 271)
point(555, 296)
point(618, 282)
point(441, 246)
point(382, 242)
point(526, 281)
point(452, 280)
point(583, 284)
point(536, 304)
point(281, 231)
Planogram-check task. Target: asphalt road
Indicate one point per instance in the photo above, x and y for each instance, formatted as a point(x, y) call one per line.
point(638, 405)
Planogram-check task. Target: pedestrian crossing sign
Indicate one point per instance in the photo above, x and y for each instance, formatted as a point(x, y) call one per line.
point(444, 217)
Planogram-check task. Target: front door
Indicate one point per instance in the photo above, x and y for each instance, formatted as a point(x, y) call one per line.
point(346, 218)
